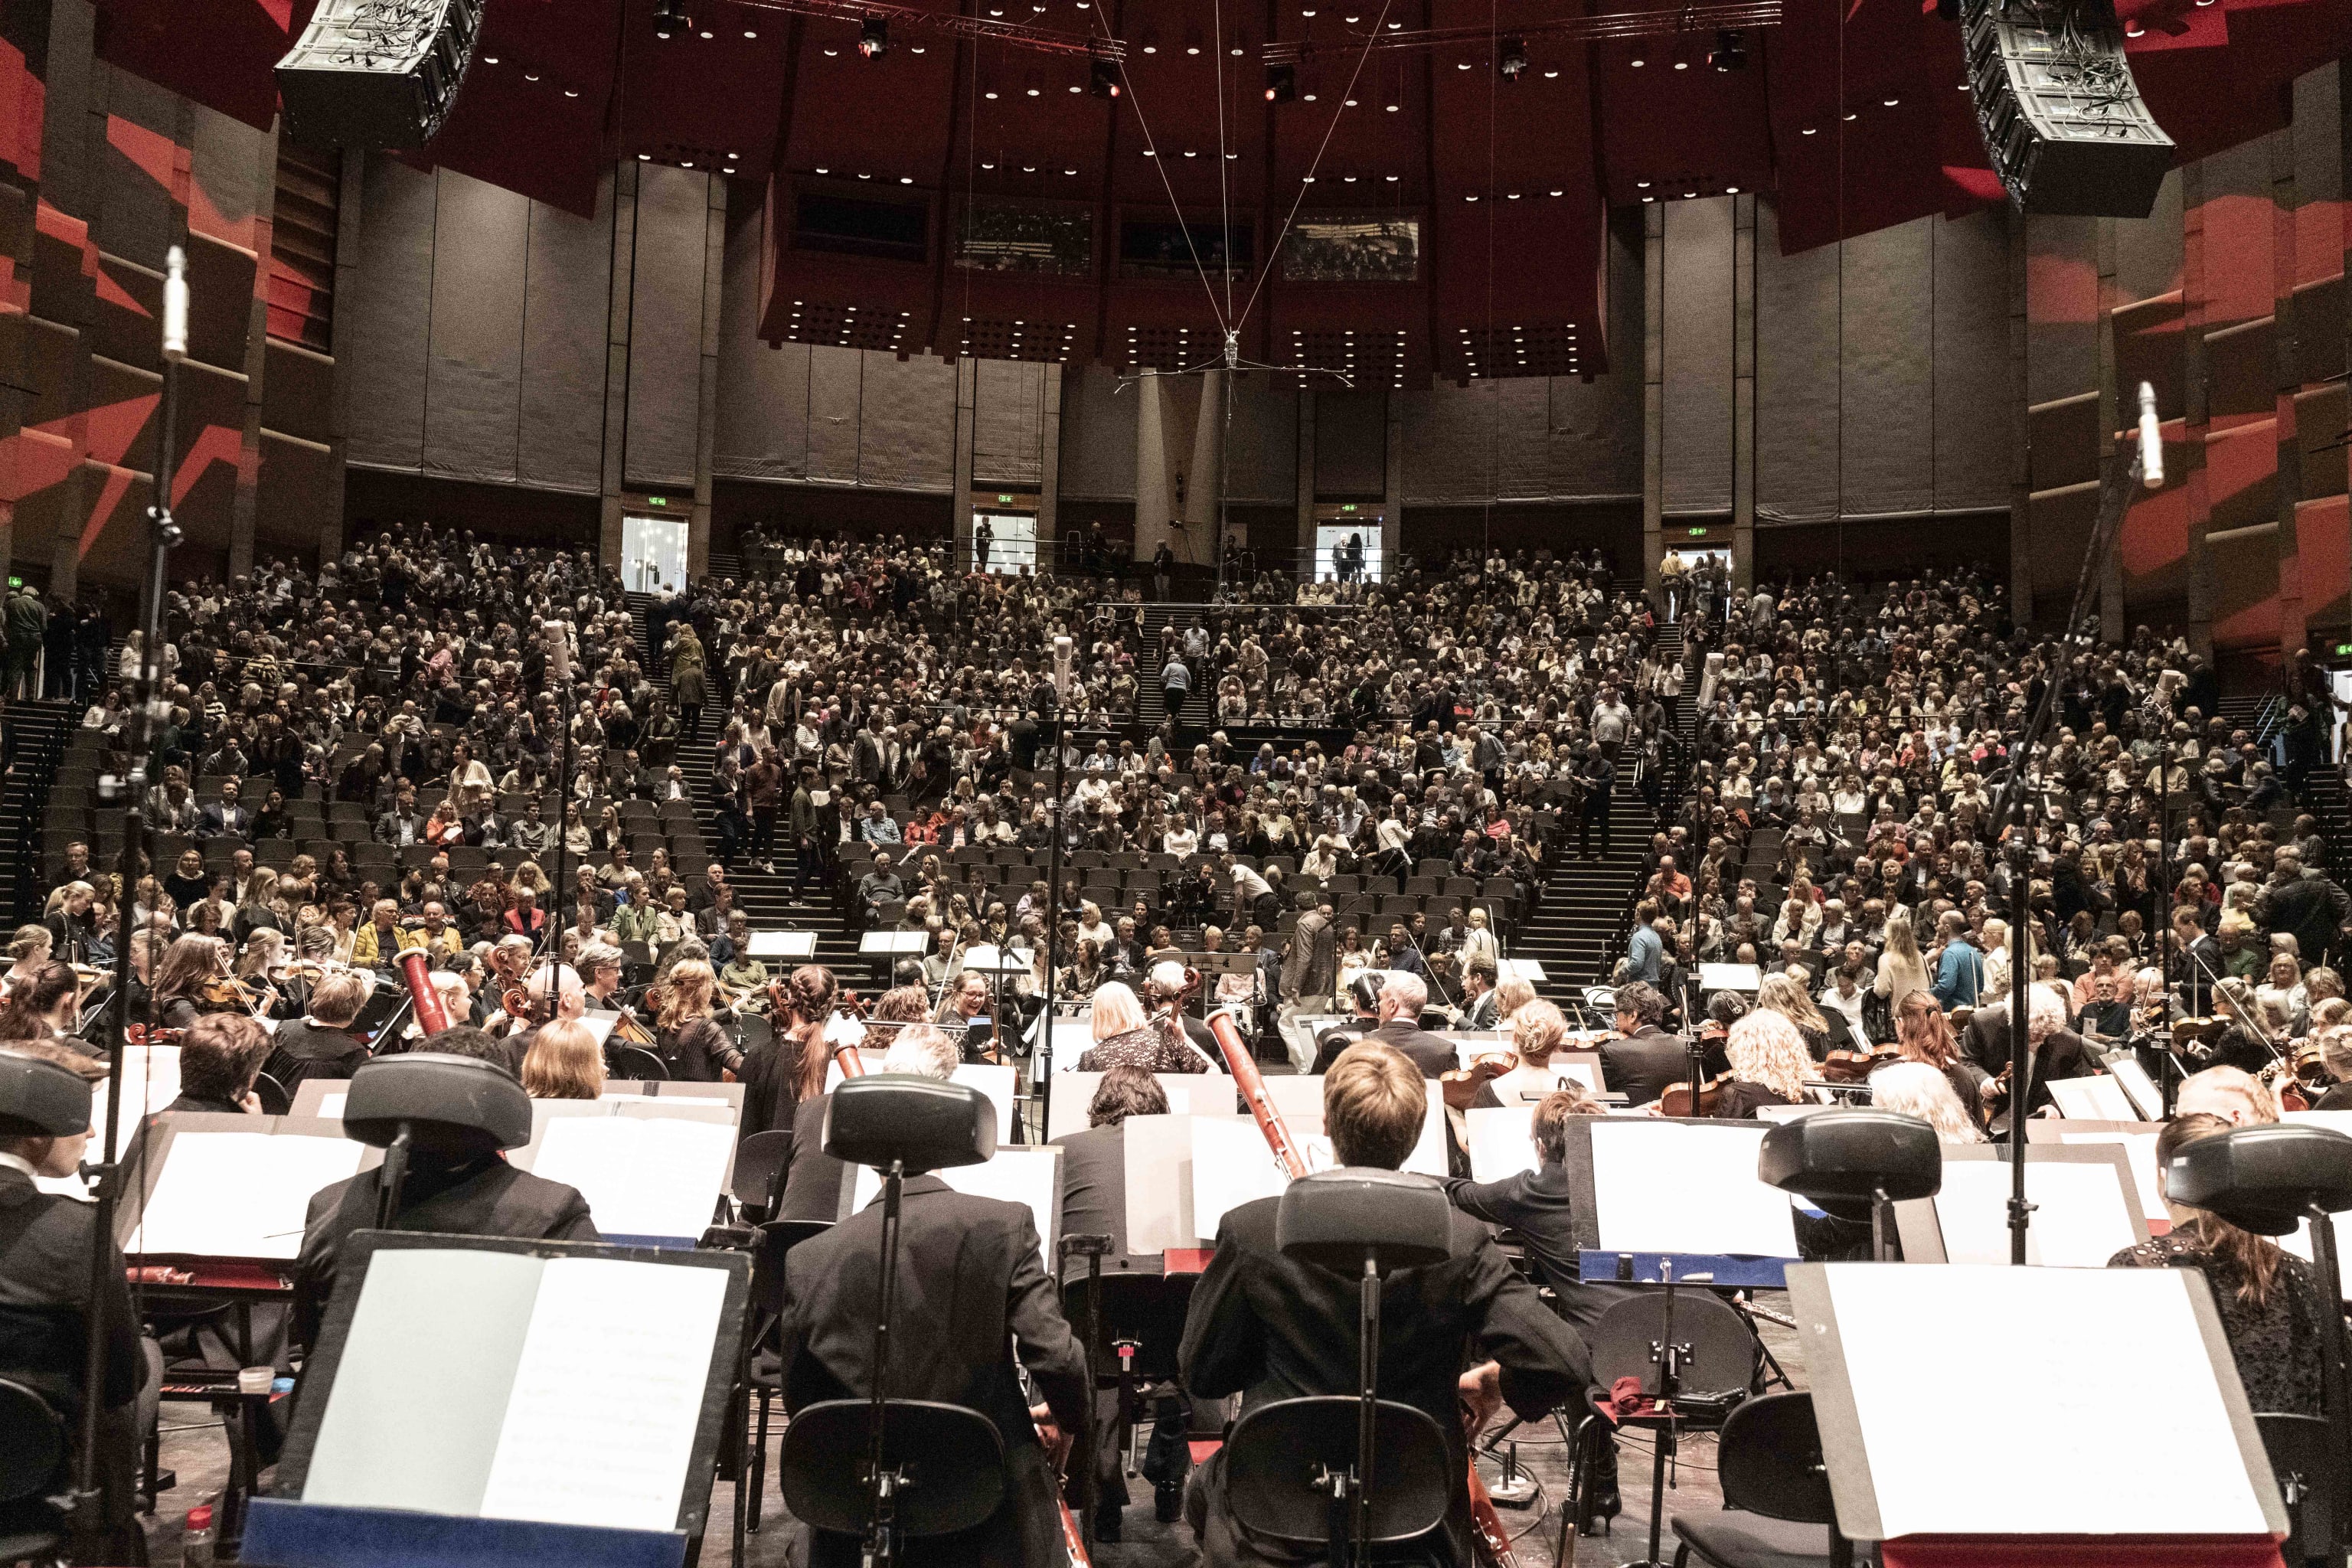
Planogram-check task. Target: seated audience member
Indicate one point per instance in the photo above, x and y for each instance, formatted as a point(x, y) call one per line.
point(1268, 1327)
point(481, 1196)
point(220, 1057)
point(46, 1307)
point(563, 1062)
point(2268, 1298)
point(319, 1044)
point(973, 1294)
point(1125, 1037)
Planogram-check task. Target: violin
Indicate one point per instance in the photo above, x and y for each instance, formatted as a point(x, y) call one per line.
point(1675, 1100)
point(1853, 1066)
point(226, 991)
point(1461, 1085)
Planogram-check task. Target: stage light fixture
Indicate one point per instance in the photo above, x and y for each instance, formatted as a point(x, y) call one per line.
point(1102, 79)
point(1730, 51)
point(1281, 83)
point(1513, 58)
point(874, 37)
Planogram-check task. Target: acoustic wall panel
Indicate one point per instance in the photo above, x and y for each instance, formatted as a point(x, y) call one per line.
point(567, 288)
point(905, 422)
point(474, 374)
point(762, 418)
point(1261, 457)
point(1351, 445)
point(1099, 436)
point(666, 325)
point(1008, 423)
point(391, 313)
point(131, 216)
point(1887, 458)
point(1797, 381)
point(1697, 332)
point(1973, 372)
point(1449, 444)
point(834, 383)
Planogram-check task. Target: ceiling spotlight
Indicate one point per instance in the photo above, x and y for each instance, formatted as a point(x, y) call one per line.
point(874, 37)
point(1102, 78)
point(1730, 51)
point(671, 18)
point(750, 32)
point(1682, 65)
point(1281, 83)
point(1639, 62)
point(1890, 102)
point(1513, 58)
point(489, 59)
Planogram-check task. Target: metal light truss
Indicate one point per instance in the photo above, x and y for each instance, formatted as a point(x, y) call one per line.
point(1695, 18)
point(1018, 35)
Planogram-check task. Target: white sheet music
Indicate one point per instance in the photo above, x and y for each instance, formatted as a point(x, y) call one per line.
point(1428, 1156)
point(2098, 1098)
point(607, 1394)
point(1667, 1186)
point(151, 1080)
point(239, 1195)
point(2077, 1462)
point(2146, 1097)
point(1159, 1151)
point(2139, 1149)
point(656, 1176)
point(1231, 1165)
point(2082, 1215)
point(1030, 1177)
point(1499, 1145)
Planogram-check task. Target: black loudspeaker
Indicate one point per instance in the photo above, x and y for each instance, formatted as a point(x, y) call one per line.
point(377, 73)
point(2059, 111)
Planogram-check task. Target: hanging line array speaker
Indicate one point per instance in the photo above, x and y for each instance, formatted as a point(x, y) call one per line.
point(2060, 113)
point(377, 73)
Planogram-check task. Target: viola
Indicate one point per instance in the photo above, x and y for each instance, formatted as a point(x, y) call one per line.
point(1853, 1066)
point(1675, 1100)
point(1461, 1085)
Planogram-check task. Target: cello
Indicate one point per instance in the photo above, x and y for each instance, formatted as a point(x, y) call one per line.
point(1493, 1541)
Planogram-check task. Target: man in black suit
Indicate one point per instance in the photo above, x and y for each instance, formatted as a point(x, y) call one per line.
point(2057, 1050)
point(482, 1196)
point(1268, 1327)
point(1541, 1205)
point(45, 1284)
point(220, 1057)
point(1401, 1000)
point(1643, 1064)
point(319, 1043)
point(1094, 1202)
point(971, 1283)
point(226, 817)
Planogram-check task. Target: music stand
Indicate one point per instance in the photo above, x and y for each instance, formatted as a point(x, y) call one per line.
point(902, 1125)
point(1848, 1160)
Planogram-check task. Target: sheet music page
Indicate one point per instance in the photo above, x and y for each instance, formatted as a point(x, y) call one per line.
point(2140, 1088)
point(331, 1106)
point(1667, 1186)
point(1030, 1177)
point(2139, 1149)
point(151, 1080)
point(239, 1195)
point(1230, 1166)
point(1428, 1156)
point(1298, 1096)
point(1159, 1151)
point(608, 1393)
point(2076, 1459)
point(420, 1394)
point(2082, 1217)
point(641, 1175)
point(1499, 1141)
point(2096, 1098)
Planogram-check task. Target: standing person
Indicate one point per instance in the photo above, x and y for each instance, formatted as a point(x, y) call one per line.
point(1175, 683)
point(764, 785)
point(982, 536)
point(1310, 972)
point(689, 682)
point(1599, 777)
point(25, 621)
point(1163, 563)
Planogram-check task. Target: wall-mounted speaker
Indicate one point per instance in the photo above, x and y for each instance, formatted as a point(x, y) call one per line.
point(377, 73)
point(2060, 113)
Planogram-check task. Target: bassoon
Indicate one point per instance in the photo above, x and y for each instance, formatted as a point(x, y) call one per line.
point(415, 968)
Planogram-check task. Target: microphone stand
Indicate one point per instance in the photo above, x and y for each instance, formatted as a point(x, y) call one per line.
point(1054, 871)
point(84, 1503)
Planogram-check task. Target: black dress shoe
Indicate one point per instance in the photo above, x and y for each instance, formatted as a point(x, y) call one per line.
point(1168, 1501)
point(1111, 1522)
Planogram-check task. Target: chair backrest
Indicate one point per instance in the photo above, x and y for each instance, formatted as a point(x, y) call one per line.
point(953, 1457)
point(634, 1063)
point(775, 1238)
point(1278, 1451)
point(2309, 1472)
point(1723, 1354)
point(32, 1443)
point(1769, 1460)
point(275, 1101)
point(758, 1160)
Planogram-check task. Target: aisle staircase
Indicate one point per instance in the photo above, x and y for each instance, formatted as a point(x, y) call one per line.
point(36, 734)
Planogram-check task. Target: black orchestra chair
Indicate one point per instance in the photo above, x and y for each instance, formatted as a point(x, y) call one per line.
point(434, 1110)
point(947, 1459)
point(272, 1095)
point(33, 1455)
point(1716, 1361)
point(634, 1064)
point(1349, 1473)
point(1777, 1511)
point(761, 1351)
point(1856, 1164)
point(2310, 1478)
point(761, 1162)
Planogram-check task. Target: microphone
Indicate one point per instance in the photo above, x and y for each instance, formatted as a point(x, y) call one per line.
point(176, 303)
point(2151, 443)
point(1062, 668)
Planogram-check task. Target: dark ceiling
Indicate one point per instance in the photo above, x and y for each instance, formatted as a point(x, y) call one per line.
point(1852, 114)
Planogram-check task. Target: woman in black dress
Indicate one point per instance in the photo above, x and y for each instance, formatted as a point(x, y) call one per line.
point(2268, 1297)
point(1770, 1064)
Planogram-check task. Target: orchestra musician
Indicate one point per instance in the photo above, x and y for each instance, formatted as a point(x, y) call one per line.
point(1125, 1037)
point(1480, 1006)
point(1537, 1031)
point(812, 1176)
point(779, 1076)
point(599, 969)
point(1646, 1059)
point(1364, 1000)
point(569, 1002)
point(44, 1295)
point(45, 1007)
point(482, 1196)
point(1770, 1064)
point(1401, 999)
point(220, 1057)
point(966, 1016)
point(2057, 1050)
point(1267, 1327)
point(971, 1287)
point(686, 1037)
point(319, 1043)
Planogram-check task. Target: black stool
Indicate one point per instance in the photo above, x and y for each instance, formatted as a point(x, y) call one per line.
point(33, 1450)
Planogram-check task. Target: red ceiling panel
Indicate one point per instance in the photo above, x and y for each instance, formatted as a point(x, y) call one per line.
point(223, 61)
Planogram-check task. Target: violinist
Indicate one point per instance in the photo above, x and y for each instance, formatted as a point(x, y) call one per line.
point(968, 1018)
point(812, 1177)
point(688, 1039)
point(1125, 1037)
point(1537, 1031)
point(1480, 1009)
point(1646, 1059)
point(2336, 1055)
point(319, 1044)
point(43, 1007)
point(600, 974)
point(2057, 1051)
point(194, 981)
point(1770, 1064)
point(789, 1070)
point(552, 994)
point(1923, 1034)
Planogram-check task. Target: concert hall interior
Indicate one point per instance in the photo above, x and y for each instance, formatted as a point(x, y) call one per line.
point(1444, 784)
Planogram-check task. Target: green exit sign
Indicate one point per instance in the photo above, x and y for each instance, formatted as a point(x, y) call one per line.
point(1003, 500)
point(19, 581)
point(657, 500)
point(1698, 533)
point(1349, 506)
point(2343, 649)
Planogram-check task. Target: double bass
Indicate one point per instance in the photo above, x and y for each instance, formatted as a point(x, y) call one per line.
point(1494, 1541)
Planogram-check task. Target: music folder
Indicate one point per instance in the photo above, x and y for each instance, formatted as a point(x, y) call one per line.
point(1685, 1191)
point(230, 1188)
point(570, 1413)
point(2087, 1206)
point(1927, 1462)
